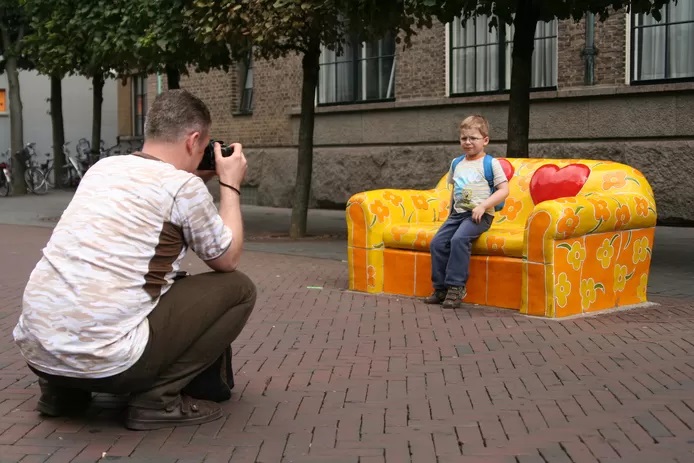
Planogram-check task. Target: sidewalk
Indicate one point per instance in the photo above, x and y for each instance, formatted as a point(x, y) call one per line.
point(327, 375)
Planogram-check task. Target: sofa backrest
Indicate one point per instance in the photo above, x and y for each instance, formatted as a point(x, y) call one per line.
point(559, 178)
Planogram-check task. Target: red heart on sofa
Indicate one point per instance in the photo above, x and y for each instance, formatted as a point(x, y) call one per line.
point(550, 182)
point(508, 168)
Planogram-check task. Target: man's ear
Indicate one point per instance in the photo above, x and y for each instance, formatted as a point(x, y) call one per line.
point(191, 141)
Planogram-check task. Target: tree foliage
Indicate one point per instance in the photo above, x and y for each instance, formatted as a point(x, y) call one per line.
point(275, 28)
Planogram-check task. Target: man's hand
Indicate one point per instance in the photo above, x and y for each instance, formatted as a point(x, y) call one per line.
point(477, 213)
point(232, 169)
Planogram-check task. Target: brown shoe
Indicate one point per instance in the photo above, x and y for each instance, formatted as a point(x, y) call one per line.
point(455, 297)
point(436, 298)
point(184, 412)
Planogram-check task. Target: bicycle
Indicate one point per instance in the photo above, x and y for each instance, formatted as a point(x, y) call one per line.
point(34, 177)
point(46, 168)
point(74, 168)
point(6, 175)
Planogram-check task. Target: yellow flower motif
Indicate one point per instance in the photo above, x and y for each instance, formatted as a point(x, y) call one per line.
point(577, 254)
point(641, 250)
point(620, 277)
point(605, 253)
point(642, 288)
point(562, 289)
point(589, 292)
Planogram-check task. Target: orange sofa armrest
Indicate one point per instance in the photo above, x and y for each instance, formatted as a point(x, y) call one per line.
point(368, 213)
point(584, 215)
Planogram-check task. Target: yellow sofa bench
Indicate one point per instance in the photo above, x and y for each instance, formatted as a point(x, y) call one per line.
point(574, 236)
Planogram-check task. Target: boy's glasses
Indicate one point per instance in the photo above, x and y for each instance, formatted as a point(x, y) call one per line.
point(470, 139)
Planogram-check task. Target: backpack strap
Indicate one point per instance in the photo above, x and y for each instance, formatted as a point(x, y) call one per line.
point(455, 162)
point(488, 171)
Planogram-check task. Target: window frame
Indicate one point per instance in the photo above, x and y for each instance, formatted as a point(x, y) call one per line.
point(633, 51)
point(246, 105)
point(504, 65)
point(139, 83)
point(357, 59)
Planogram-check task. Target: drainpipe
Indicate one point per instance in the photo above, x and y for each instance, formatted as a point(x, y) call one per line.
point(159, 83)
point(589, 51)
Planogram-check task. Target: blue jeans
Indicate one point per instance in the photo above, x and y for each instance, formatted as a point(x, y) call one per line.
point(451, 248)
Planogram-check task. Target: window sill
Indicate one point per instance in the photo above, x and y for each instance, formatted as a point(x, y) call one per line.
point(538, 95)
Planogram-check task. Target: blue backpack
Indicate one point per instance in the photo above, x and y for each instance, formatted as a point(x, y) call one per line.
point(488, 174)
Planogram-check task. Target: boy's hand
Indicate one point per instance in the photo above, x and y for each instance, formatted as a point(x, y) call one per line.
point(477, 213)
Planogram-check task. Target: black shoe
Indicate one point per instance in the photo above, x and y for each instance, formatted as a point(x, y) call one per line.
point(62, 401)
point(436, 298)
point(455, 297)
point(183, 412)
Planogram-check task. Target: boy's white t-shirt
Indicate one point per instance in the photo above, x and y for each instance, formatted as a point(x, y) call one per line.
point(112, 255)
point(470, 187)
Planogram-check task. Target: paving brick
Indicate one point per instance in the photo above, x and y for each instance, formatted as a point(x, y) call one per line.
point(331, 375)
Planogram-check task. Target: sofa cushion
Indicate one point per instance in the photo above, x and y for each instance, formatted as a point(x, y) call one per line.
point(502, 239)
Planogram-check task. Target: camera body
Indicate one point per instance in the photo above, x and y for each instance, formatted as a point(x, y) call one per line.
point(207, 162)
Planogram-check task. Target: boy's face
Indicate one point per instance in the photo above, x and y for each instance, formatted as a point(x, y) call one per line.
point(472, 141)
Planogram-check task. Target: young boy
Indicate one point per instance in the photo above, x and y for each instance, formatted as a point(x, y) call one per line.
point(472, 214)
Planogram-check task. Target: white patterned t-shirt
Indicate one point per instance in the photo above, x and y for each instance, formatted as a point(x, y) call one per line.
point(470, 186)
point(112, 255)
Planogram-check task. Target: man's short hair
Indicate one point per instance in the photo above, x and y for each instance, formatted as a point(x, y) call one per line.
point(175, 114)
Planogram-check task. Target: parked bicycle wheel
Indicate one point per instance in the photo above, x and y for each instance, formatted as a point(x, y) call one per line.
point(36, 181)
point(5, 184)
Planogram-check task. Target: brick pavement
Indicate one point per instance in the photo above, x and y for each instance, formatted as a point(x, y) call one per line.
point(326, 375)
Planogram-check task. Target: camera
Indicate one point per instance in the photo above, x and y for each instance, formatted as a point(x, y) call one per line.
point(207, 162)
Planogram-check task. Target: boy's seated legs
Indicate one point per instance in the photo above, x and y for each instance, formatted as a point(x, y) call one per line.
point(440, 249)
point(450, 257)
point(190, 327)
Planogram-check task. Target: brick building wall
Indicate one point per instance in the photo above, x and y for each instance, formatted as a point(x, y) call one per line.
point(421, 69)
point(409, 142)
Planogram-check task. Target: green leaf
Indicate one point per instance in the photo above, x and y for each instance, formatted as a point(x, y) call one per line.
point(564, 246)
point(599, 286)
point(630, 276)
point(613, 238)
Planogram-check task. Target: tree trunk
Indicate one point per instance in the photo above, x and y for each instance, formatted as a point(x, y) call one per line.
point(16, 126)
point(304, 167)
point(173, 78)
point(521, 73)
point(58, 131)
point(98, 99)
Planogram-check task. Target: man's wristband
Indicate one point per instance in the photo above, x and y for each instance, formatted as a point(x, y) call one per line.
point(229, 186)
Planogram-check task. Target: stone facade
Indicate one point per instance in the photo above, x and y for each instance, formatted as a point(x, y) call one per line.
point(410, 141)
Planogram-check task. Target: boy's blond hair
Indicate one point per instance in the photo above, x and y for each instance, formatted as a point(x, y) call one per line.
point(476, 121)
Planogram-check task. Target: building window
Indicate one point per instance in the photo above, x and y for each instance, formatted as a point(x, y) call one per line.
point(662, 50)
point(481, 60)
point(364, 71)
point(246, 105)
point(139, 104)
